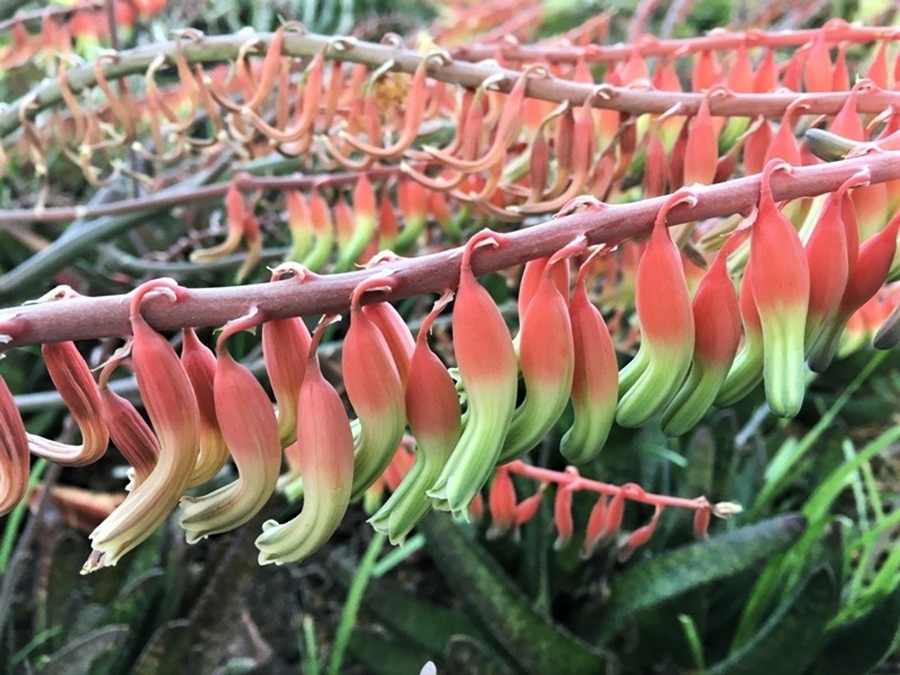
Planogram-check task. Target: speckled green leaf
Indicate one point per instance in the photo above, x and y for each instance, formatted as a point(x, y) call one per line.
point(531, 639)
point(690, 567)
point(792, 637)
point(79, 655)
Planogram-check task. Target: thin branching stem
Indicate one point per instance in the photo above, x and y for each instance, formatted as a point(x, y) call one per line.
point(625, 99)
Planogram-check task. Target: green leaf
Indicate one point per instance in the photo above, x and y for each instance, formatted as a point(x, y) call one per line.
point(794, 635)
point(859, 645)
point(465, 654)
point(531, 639)
point(165, 649)
point(691, 567)
point(78, 656)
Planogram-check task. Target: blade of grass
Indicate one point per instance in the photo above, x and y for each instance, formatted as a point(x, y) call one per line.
point(354, 599)
point(14, 520)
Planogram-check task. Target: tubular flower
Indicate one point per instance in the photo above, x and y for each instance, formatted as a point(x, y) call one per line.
point(200, 365)
point(127, 429)
point(487, 366)
point(285, 345)
point(73, 380)
point(831, 256)
point(13, 452)
point(174, 413)
point(702, 149)
point(250, 431)
point(781, 291)
point(433, 411)
point(747, 368)
point(300, 224)
point(547, 355)
point(374, 389)
point(325, 457)
point(502, 504)
point(717, 321)
point(595, 384)
point(395, 332)
point(654, 376)
point(876, 256)
point(323, 226)
point(364, 224)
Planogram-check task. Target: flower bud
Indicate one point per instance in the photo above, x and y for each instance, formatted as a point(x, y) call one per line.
point(127, 429)
point(13, 452)
point(717, 322)
point(364, 224)
point(502, 504)
point(640, 536)
point(323, 225)
point(547, 354)
point(702, 149)
point(75, 384)
point(747, 368)
point(562, 517)
point(300, 225)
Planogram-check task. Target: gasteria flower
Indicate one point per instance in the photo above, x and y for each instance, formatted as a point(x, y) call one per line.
point(127, 429)
point(433, 411)
point(654, 376)
point(831, 253)
point(876, 256)
point(374, 389)
point(285, 346)
point(173, 411)
point(325, 457)
point(487, 366)
point(595, 384)
point(364, 224)
point(717, 322)
point(75, 384)
point(200, 365)
point(781, 291)
point(250, 431)
point(546, 352)
point(13, 452)
point(747, 368)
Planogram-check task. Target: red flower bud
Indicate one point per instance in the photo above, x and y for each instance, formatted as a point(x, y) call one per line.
point(13, 452)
